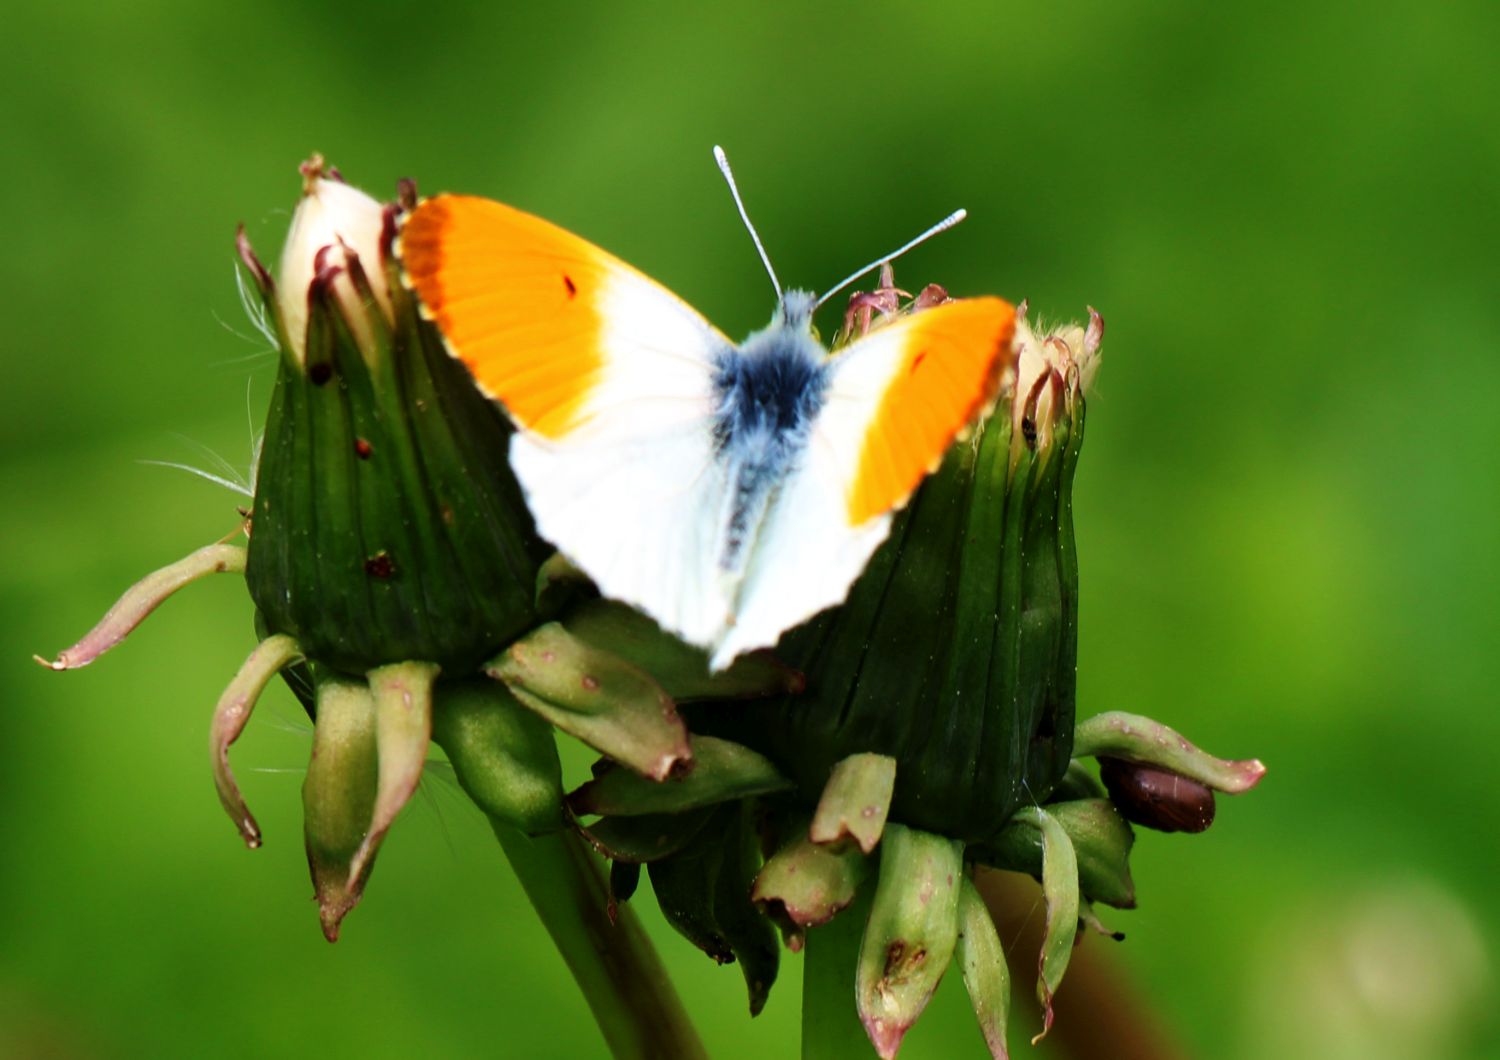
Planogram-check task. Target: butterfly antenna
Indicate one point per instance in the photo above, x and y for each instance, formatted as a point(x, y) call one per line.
point(735, 191)
point(942, 226)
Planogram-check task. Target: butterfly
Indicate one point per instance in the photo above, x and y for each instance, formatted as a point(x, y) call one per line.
point(729, 491)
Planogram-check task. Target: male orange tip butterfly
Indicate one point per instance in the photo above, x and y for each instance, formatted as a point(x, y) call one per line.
point(728, 491)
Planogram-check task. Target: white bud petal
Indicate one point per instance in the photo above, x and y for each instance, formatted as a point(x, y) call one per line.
point(333, 215)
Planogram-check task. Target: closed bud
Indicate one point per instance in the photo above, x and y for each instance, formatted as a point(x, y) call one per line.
point(956, 651)
point(387, 525)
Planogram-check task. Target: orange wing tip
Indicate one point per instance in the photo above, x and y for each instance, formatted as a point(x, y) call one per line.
point(897, 456)
point(479, 270)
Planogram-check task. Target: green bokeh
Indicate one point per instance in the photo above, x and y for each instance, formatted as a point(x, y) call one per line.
point(1289, 215)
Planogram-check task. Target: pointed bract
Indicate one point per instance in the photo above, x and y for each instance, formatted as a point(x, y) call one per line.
point(231, 715)
point(338, 796)
point(593, 695)
point(1140, 739)
point(403, 729)
point(144, 597)
point(721, 771)
point(986, 974)
point(855, 801)
point(911, 934)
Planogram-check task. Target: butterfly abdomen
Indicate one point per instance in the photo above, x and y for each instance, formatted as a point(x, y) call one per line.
point(768, 394)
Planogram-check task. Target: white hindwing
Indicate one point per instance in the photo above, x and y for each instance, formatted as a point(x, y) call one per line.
point(633, 494)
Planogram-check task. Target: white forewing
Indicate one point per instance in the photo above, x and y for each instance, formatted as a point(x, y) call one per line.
point(633, 494)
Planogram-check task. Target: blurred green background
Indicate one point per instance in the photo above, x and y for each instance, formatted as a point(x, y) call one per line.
point(1289, 216)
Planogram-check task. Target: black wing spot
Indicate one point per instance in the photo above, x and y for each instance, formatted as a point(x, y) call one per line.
point(916, 362)
point(570, 285)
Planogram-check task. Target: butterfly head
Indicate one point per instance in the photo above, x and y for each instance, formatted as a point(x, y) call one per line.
point(794, 311)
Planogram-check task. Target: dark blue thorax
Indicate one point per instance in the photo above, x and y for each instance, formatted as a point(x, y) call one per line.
point(768, 393)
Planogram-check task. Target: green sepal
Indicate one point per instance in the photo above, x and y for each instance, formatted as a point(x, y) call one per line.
point(559, 581)
point(686, 885)
point(1079, 782)
point(503, 755)
point(624, 878)
point(1101, 839)
point(721, 771)
point(681, 669)
point(649, 837)
point(751, 936)
point(855, 801)
point(704, 892)
point(911, 933)
point(338, 796)
point(805, 884)
point(986, 973)
point(1139, 739)
point(610, 704)
point(1060, 891)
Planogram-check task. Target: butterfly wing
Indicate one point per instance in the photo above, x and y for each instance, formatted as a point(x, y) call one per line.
point(609, 378)
point(896, 400)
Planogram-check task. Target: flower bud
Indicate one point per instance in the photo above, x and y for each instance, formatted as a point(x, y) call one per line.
point(956, 651)
point(387, 525)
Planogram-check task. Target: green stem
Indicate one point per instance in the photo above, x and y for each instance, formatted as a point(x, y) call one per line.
point(831, 1029)
point(612, 961)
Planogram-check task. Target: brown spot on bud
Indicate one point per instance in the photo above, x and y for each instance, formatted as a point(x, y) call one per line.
point(380, 565)
point(589, 682)
point(1156, 798)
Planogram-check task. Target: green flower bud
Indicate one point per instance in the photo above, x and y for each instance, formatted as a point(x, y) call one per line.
point(386, 524)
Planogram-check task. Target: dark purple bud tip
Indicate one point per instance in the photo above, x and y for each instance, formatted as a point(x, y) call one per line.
point(406, 193)
point(1093, 338)
point(312, 171)
point(258, 272)
point(1156, 798)
point(389, 222)
point(931, 295)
